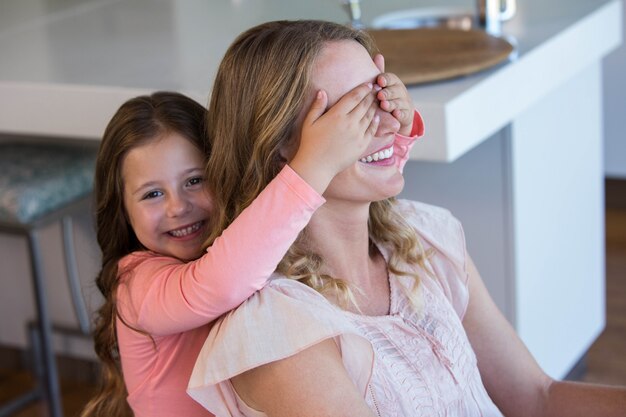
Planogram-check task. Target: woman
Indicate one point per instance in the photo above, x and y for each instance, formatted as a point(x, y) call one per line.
point(376, 309)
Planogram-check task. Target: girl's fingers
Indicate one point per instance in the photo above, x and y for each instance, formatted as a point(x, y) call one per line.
point(391, 92)
point(379, 61)
point(400, 114)
point(388, 79)
point(391, 105)
point(362, 107)
point(369, 114)
point(354, 98)
point(381, 80)
point(318, 107)
point(398, 109)
point(373, 126)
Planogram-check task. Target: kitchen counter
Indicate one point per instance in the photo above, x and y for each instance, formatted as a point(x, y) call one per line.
point(67, 66)
point(521, 142)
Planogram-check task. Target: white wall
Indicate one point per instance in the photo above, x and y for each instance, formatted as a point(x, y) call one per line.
point(615, 111)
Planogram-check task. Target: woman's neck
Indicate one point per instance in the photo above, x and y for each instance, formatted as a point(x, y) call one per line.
point(339, 234)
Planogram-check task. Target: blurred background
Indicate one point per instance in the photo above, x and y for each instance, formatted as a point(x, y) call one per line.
point(527, 149)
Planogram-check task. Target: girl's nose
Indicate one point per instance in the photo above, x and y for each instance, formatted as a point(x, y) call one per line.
point(178, 205)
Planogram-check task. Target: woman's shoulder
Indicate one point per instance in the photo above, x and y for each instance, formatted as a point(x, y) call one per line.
point(442, 233)
point(437, 225)
point(282, 302)
point(417, 210)
point(280, 286)
point(278, 321)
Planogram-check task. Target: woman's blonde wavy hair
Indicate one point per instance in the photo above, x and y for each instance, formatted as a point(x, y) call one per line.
point(261, 88)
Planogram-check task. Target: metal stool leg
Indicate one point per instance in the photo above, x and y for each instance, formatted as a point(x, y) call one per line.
point(50, 383)
point(78, 300)
point(36, 394)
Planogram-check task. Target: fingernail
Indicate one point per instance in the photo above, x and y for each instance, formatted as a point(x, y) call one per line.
point(369, 85)
point(319, 95)
point(377, 87)
point(376, 118)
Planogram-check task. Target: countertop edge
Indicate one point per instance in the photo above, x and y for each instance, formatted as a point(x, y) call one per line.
point(454, 125)
point(473, 116)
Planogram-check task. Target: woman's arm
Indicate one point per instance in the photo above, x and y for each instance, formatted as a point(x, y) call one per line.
point(578, 399)
point(313, 382)
point(513, 378)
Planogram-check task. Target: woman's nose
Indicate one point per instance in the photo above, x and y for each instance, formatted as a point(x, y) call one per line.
point(388, 124)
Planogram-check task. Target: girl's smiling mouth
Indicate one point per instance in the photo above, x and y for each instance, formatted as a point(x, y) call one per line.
point(186, 230)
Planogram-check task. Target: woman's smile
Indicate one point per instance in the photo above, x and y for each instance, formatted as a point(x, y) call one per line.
point(382, 157)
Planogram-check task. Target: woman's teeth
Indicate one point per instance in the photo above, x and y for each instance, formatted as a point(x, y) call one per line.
point(186, 230)
point(378, 156)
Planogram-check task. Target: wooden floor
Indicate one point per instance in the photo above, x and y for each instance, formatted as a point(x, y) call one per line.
point(605, 363)
point(606, 360)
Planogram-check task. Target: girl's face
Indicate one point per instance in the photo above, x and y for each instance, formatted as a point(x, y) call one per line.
point(165, 200)
point(339, 68)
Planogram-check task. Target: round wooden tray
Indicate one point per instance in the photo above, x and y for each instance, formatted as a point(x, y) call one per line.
point(427, 54)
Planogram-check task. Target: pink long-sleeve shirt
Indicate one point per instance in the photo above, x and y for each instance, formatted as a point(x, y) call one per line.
point(172, 303)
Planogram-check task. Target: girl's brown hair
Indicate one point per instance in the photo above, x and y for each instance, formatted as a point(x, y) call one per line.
point(137, 122)
point(261, 88)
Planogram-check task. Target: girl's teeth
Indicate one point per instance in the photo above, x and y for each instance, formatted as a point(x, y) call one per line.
point(187, 230)
point(378, 156)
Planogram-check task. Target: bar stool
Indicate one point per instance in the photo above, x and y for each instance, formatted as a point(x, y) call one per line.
point(41, 184)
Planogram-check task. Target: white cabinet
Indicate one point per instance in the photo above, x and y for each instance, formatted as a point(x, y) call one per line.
point(531, 202)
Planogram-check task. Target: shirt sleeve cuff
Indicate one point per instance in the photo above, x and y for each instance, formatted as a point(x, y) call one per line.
point(418, 125)
point(300, 187)
point(403, 144)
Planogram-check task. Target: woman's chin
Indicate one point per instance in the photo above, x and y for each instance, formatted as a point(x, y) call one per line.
point(393, 186)
point(396, 184)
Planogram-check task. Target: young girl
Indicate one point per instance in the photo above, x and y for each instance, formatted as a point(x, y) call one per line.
point(153, 213)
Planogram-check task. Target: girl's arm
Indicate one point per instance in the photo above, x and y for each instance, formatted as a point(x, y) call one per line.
point(167, 296)
point(313, 382)
point(513, 378)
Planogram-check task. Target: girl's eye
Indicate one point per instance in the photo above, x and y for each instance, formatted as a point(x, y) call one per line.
point(152, 194)
point(195, 180)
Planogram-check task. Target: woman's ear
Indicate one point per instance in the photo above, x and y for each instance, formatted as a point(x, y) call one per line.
point(282, 159)
point(288, 150)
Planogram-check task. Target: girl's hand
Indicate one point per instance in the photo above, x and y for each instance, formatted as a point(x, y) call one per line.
point(394, 97)
point(334, 139)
